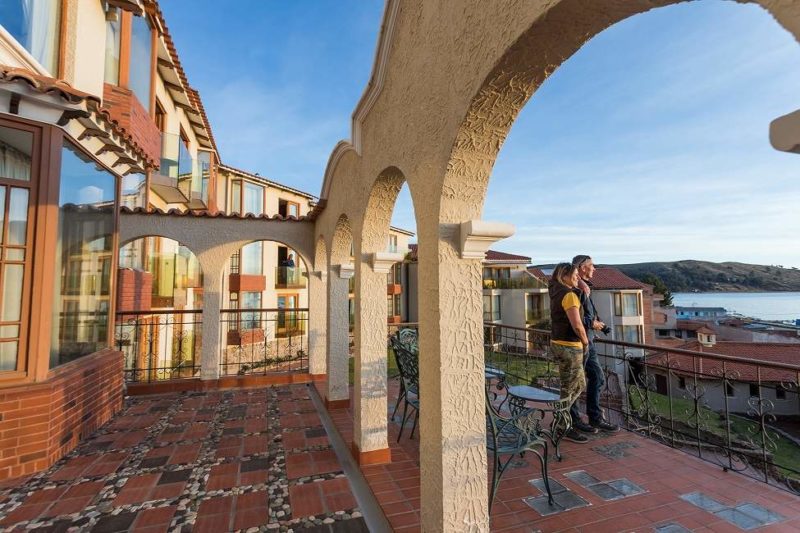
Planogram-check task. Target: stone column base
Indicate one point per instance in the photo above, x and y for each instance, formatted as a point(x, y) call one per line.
point(337, 404)
point(372, 457)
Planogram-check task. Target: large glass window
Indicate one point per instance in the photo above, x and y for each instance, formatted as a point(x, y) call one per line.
point(236, 197)
point(626, 304)
point(252, 259)
point(35, 24)
point(251, 300)
point(111, 74)
point(491, 307)
point(83, 258)
point(253, 198)
point(628, 334)
point(141, 57)
point(133, 190)
point(15, 168)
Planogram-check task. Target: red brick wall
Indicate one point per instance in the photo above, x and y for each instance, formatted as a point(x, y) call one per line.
point(134, 290)
point(247, 282)
point(125, 108)
point(41, 422)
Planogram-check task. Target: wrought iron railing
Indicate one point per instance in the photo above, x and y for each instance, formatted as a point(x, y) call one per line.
point(159, 345)
point(261, 341)
point(735, 412)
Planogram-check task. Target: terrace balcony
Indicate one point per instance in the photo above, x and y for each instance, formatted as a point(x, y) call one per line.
point(524, 281)
point(274, 456)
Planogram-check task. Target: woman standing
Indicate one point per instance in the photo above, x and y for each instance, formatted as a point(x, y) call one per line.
point(568, 339)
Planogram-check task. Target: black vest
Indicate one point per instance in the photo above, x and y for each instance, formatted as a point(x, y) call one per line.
point(561, 329)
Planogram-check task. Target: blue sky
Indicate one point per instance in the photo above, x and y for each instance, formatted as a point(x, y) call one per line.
point(650, 143)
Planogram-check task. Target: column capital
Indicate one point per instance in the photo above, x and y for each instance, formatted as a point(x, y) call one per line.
point(478, 235)
point(345, 270)
point(382, 262)
point(319, 274)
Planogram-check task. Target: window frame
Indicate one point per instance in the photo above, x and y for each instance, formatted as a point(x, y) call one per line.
point(34, 206)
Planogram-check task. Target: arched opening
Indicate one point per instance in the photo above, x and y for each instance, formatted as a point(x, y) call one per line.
point(579, 187)
point(159, 310)
point(340, 274)
point(264, 315)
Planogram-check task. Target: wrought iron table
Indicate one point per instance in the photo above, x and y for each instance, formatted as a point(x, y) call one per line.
point(544, 401)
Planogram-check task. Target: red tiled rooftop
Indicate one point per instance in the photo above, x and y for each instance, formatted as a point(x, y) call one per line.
point(771, 352)
point(606, 278)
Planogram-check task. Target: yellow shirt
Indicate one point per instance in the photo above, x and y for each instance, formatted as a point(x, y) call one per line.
point(569, 301)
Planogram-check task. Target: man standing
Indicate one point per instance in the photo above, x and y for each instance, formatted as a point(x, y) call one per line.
point(594, 372)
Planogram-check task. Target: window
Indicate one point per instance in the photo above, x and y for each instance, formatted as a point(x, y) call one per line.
point(628, 334)
point(537, 307)
point(236, 197)
point(133, 190)
point(36, 26)
point(235, 262)
point(288, 323)
point(392, 247)
point(397, 309)
point(491, 307)
point(287, 208)
point(626, 304)
point(681, 382)
point(160, 117)
point(85, 246)
point(398, 273)
point(730, 392)
point(780, 392)
point(253, 198)
point(389, 306)
point(16, 147)
point(140, 62)
point(250, 300)
point(111, 72)
point(755, 390)
point(252, 259)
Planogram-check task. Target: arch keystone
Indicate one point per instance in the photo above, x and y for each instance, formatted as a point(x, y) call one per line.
point(382, 262)
point(478, 235)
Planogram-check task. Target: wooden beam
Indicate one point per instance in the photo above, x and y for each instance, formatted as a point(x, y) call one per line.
point(110, 148)
point(70, 114)
point(187, 108)
point(13, 104)
point(166, 63)
point(94, 132)
point(124, 160)
point(172, 86)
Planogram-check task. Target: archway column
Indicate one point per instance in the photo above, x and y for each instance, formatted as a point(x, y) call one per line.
point(317, 321)
point(337, 393)
point(453, 459)
point(370, 434)
point(212, 303)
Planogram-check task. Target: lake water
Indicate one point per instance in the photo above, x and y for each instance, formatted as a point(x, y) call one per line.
point(763, 305)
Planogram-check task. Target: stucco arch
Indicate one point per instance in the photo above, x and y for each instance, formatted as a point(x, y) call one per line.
point(445, 90)
point(340, 242)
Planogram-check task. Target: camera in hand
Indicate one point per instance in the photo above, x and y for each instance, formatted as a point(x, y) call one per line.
point(606, 330)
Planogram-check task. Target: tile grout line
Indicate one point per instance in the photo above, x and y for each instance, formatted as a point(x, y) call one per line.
point(370, 508)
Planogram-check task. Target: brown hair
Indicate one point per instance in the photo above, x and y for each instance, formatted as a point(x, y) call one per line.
point(563, 270)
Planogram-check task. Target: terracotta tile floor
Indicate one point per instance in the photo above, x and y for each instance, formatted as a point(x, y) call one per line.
point(663, 473)
point(214, 462)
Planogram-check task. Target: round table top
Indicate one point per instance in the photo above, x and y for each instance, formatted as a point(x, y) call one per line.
point(492, 372)
point(532, 394)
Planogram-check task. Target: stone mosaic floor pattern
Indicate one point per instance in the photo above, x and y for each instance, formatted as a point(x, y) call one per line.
point(244, 460)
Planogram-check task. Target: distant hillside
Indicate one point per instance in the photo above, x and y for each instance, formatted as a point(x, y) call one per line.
point(704, 276)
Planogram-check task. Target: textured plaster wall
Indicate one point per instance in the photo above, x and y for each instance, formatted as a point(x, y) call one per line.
point(318, 311)
point(338, 312)
point(449, 82)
